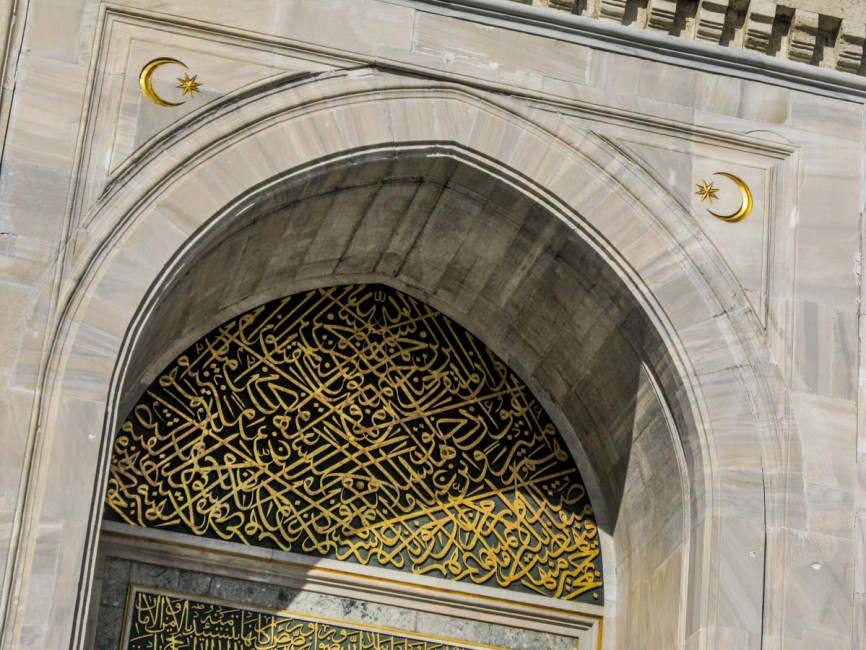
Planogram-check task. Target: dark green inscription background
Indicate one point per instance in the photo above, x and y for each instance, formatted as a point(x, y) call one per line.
point(357, 423)
point(173, 622)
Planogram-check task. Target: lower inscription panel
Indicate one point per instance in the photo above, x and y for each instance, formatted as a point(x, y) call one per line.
point(162, 620)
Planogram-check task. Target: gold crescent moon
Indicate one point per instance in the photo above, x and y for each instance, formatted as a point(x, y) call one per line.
point(745, 206)
point(145, 80)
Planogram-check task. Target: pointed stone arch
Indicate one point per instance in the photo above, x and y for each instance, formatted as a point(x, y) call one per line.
point(262, 150)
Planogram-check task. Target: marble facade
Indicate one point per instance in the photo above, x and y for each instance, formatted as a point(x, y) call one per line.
point(529, 173)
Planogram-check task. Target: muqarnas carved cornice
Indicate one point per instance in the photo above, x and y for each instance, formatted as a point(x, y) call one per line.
point(768, 27)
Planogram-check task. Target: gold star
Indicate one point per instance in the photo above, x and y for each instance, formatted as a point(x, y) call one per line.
point(707, 191)
point(188, 86)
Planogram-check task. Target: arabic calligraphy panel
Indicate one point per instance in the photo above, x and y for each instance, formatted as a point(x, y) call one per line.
point(177, 622)
point(360, 424)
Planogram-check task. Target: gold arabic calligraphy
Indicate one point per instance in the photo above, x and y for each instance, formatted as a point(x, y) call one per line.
point(177, 623)
point(358, 423)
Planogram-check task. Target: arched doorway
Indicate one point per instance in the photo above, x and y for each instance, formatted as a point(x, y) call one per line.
point(437, 227)
point(600, 259)
point(359, 428)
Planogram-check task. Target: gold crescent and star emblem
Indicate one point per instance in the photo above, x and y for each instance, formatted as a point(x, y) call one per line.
point(188, 84)
point(708, 191)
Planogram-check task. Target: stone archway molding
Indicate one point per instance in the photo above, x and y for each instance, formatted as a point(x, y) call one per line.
point(208, 168)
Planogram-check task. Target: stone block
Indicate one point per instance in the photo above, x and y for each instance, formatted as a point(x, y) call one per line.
point(661, 14)
point(849, 46)
point(759, 25)
point(803, 36)
point(613, 10)
point(711, 20)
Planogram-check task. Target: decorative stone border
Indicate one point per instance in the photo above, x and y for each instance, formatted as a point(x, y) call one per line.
point(759, 25)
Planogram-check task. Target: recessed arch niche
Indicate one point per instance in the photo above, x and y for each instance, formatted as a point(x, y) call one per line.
point(357, 423)
point(496, 260)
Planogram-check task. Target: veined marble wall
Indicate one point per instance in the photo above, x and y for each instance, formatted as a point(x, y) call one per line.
point(116, 576)
point(127, 226)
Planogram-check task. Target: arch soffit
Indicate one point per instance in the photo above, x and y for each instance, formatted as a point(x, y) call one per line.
point(160, 205)
point(200, 166)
